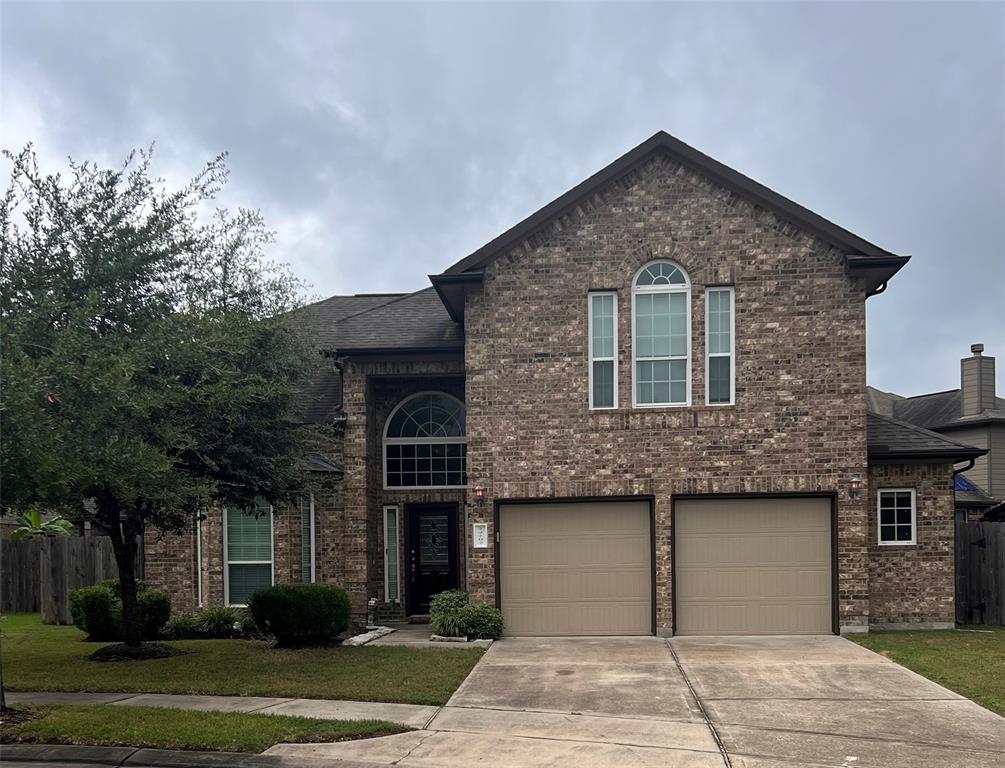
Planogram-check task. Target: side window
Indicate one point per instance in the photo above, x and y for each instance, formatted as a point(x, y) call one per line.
point(720, 354)
point(247, 548)
point(897, 516)
point(661, 330)
point(602, 313)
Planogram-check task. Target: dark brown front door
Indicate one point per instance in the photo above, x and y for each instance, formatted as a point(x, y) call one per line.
point(432, 553)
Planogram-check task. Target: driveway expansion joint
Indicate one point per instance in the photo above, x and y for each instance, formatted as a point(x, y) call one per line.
point(701, 707)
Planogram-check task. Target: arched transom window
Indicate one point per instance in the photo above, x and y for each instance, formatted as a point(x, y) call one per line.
point(661, 331)
point(424, 443)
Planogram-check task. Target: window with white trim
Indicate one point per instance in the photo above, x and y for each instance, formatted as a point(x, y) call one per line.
point(425, 444)
point(720, 354)
point(307, 539)
point(247, 550)
point(661, 335)
point(897, 516)
point(391, 555)
point(603, 375)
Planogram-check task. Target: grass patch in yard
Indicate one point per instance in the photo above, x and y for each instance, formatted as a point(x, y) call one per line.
point(971, 663)
point(155, 727)
point(39, 657)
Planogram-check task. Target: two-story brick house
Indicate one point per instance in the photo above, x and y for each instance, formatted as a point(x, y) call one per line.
point(641, 410)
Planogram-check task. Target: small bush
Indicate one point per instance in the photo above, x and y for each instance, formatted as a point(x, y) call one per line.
point(96, 611)
point(443, 612)
point(221, 623)
point(480, 622)
point(301, 614)
point(183, 626)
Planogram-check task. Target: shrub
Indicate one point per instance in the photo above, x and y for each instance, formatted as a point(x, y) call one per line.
point(183, 626)
point(301, 614)
point(211, 624)
point(480, 622)
point(97, 610)
point(443, 612)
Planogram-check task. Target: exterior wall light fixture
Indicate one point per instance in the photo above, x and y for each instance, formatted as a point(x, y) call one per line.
point(855, 488)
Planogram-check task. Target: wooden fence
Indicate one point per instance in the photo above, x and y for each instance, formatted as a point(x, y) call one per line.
point(980, 573)
point(38, 576)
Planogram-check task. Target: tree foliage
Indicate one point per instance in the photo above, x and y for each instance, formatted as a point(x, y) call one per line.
point(148, 369)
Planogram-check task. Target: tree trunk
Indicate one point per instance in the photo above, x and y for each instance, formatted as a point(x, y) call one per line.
point(123, 537)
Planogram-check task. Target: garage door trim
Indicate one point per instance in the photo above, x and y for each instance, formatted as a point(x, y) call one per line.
point(832, 497)
point(572, 500)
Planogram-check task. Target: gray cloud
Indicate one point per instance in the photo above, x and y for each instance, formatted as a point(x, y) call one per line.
point(384, 142)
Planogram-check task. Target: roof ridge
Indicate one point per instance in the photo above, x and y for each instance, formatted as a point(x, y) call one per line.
point(919, 430)
point(395, 300)
point(932, 394)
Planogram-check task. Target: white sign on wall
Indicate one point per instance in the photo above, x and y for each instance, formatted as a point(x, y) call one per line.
point(480, 535)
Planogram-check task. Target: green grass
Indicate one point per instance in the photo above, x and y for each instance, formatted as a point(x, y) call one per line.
point(971, 663)
point(105, 725)
point(39, 657)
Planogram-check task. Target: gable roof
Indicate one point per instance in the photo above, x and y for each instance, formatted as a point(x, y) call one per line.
point(876, 264)
point(937, 410)
point(891, 439)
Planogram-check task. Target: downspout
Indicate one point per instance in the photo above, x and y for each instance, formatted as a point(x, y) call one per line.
point(198, 557)
point(877, 290)
point(967, 468)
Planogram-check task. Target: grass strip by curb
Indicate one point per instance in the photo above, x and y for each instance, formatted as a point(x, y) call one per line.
point(162, 728)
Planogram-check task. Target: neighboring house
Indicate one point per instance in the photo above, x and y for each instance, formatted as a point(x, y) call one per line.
point(641, 410)
point(972, 414)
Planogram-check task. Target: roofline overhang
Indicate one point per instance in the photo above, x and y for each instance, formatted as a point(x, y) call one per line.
point(450, 288)
point(877, 270)
point(948, 454)
point(391, 351)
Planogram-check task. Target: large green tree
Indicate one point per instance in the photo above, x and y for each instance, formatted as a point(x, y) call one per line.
point(147, 368)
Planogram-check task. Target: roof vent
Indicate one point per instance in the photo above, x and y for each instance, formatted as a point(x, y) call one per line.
point(976, 349)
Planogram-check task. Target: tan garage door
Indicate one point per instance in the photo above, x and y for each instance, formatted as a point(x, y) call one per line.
point(753, 566)
point(578, 568)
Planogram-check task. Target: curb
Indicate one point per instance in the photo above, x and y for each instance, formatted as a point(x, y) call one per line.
point(64, 755)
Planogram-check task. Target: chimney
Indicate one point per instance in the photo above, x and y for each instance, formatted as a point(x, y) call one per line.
point(977, 380)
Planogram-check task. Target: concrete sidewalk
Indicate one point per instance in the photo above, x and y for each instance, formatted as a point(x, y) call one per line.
point(410, 715)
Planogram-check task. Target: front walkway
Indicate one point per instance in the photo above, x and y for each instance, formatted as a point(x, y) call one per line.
point(411, 715)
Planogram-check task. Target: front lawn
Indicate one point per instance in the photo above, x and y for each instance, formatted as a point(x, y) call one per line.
point(971, 663)
point(39, 657)
point(105, 725)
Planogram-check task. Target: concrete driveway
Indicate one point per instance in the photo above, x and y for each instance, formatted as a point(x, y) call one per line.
point(690, 703)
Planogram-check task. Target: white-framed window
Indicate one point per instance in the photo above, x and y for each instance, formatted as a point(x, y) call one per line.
point(307, 566)
point(391, 556)
point(661, 335)
point(425, 444)
point(247, 551)
point(898, 514)
point(602, 319)
point(720, 346)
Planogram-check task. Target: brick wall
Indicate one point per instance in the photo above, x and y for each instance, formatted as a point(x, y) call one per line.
point(799, 419)
point(910, 584)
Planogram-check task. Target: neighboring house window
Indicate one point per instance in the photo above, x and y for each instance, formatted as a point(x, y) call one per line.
point(603, 377)
point(661, 335)
point(897, 516)
point(307, 539)
point(391, 569)
point(424, 443)
point(719, 346)
point(247, 549)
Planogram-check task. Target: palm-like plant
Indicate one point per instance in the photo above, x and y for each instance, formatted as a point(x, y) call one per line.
point(31, 525)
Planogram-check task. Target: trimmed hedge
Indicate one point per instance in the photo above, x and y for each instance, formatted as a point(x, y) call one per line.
point(301, 614)
point(97, 610)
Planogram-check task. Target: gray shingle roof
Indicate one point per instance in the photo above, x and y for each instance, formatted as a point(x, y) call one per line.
point(890, 438)
point(942, 409)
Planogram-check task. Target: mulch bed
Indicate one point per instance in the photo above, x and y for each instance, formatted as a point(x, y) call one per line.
point(12, 716)
point(123, 652)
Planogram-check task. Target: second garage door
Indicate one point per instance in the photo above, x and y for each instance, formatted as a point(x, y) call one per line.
point(753, 566)
point(580, 568)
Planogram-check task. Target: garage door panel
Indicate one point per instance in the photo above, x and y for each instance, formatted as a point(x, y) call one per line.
point(753, 566)
point(576, 568)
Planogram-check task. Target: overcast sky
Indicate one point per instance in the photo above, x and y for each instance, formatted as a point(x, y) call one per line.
point(385, 142)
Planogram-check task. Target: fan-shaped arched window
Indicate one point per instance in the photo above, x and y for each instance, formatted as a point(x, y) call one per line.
point(661, 335)
point(424, 443)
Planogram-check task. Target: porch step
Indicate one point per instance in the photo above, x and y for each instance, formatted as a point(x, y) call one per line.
point(419, 618)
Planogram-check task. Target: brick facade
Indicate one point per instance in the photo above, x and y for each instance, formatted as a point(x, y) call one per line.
point(798, 423)
point(914, 584)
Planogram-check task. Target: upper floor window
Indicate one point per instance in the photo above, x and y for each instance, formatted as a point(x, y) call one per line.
point(719, 352)
point(603, 319)
point(425, 444)
point(661, 330)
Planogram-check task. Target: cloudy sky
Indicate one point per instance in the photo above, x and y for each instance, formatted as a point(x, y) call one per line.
point(384, 142)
